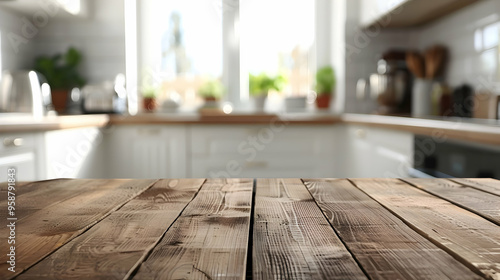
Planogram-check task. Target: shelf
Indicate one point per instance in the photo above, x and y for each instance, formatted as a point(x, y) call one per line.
point(413, 13)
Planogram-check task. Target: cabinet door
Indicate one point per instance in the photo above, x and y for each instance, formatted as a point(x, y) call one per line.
point(149, 151)
point(72, 153)
point(18, 151)
point(260, 151)
point(375, 153)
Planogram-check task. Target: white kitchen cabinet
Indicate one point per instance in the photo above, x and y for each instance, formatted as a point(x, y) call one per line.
point(376, 152)
point(39, 10)
point(405, 13)
point(71, 153)
point(146, 151)
point(19, 151)
point(262, 151)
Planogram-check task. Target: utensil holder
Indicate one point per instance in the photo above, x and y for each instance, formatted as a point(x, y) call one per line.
point(421, 98)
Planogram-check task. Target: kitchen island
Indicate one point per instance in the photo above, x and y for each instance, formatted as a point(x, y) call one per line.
point(254, 229)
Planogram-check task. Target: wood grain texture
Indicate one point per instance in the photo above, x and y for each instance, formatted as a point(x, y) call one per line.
point(63, 217)
point(485, 184)
point(210, 238)
point(482, 203)
point(35, 196)
point(384, 246)
point(52, 123)
point(293, 239)
point(467, 236)
point(119, 243)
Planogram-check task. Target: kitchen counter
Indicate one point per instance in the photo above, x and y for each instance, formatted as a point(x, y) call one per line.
point(258, 229)
point(238, 118)
point(471, 130)
point(18, 123)
point(466, 129)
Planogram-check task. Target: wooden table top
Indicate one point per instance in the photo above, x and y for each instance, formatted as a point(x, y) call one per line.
point(253, 229)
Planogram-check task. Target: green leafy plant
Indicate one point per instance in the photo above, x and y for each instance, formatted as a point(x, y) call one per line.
point(149, 92)
point(325, 80)
point(261, 84)
point(211, 89)
point(61, 70)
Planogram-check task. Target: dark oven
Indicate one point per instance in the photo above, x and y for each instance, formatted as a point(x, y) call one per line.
point(446, 159)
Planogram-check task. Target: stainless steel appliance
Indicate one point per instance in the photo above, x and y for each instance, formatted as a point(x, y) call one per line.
point(391, 86)
point(107, 97)
point(25, 91)
point(447, 159)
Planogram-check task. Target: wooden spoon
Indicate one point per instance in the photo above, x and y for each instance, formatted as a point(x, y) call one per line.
point(415, 63)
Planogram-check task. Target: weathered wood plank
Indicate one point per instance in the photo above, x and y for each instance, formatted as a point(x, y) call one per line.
point(468, 237)
point(210, 238)
point(293, 239)
point(62, 219)
point(119, 243)
point(484, 204)
point(485, 184)
point(34, 196)
point(383, 245)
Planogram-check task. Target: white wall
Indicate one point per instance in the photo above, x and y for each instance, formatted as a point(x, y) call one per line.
point(479, 68)
point(456, 31)
point(100, 37)
point(10, 59)
point(363, 50)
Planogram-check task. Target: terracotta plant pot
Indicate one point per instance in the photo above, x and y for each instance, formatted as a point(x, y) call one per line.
point(323, 101)
point(59, 100)
point(149, 104)
point(209, 99)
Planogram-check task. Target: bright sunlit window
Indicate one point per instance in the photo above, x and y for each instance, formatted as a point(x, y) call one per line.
point(181, 46)
point(277, 36)
point(183, 43)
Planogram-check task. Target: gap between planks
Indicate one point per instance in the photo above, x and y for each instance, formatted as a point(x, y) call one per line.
point(383, 245)
point(37, 245)
point(466, 236)
point(482, 203)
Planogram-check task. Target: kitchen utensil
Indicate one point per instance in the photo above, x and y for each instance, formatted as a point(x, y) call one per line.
point(107, 97)
point(415, 63)
point(445, 102)
point(434, 61)
point(391, 87)
point(25, 91)
point(421, 98)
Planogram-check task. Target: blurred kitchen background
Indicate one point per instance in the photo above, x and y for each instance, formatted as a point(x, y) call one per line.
point(331, 65)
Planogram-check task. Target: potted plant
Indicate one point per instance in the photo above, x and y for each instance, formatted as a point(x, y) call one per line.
point(149, 94)
point(211, 91)
point(260, 85)
point(61, 72)
point(325, 84)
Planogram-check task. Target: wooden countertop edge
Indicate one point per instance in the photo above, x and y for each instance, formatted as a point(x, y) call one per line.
point(439, 129)
point(459, 130)
point(225, 119)
point(55, 123)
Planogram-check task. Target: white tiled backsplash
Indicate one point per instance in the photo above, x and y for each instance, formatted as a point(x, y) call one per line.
point(471, 35)
point(100, 37)
point(12, 56)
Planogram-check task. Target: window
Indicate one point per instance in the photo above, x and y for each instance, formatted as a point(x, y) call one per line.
point(278, 36)
point(180, 46)
point(182, 43)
